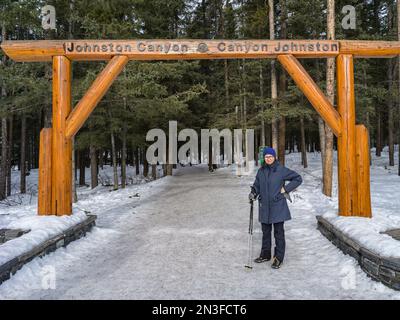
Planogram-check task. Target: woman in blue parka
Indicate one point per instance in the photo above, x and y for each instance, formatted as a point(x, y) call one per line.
point(271, 191)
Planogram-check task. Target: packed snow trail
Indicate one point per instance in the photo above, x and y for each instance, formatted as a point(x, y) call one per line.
point(185, 237)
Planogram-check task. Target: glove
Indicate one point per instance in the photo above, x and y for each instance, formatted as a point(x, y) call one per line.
point(286, 194)
point(252, 196)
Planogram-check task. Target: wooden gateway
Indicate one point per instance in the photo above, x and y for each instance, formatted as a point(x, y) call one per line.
point(55, 165)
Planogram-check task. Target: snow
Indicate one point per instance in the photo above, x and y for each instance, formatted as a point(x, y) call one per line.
point(385, 199)
point(185, 237)
point(42, 229)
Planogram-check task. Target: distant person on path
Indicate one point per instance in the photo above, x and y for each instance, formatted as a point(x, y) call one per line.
point(271, 191)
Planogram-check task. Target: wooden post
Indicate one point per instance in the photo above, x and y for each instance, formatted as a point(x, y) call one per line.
point(62, 146)
point(347, 164)
point(363, 174)
point(45, 158)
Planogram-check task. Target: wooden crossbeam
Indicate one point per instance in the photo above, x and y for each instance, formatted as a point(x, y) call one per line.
point(313, 93)
point(370, 49)
point(100, 86)
point(185, 49)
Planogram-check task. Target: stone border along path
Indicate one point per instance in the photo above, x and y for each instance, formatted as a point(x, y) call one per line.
point(379, 268)
point(61, 240)
point(10, 234)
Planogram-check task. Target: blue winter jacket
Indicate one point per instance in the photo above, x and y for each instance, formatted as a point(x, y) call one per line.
point(269, 181)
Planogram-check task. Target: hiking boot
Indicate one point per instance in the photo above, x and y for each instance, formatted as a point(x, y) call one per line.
point(276, 264)
point(261, 259)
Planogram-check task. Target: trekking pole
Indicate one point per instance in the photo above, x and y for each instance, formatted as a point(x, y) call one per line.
point(249, 264)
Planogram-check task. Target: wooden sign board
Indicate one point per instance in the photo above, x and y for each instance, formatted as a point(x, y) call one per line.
point(191, 49)
point(86, 50)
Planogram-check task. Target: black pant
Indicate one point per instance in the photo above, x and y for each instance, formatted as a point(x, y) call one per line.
point(279, 235)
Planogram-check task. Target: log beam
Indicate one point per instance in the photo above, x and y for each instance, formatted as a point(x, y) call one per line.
point(61, 146)
point(370, 49)
point(363, 171)
point(45, 159)
point(184, 49)
point(313, 93)
point(92, 97)
point(347, 164)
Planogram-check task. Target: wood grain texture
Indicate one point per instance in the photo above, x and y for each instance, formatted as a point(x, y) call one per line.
point(62, 147)
point(370, 49)
point(84, 50)
point(44, 50)
point(363, 171)
point(45, 159)
point(347, 170)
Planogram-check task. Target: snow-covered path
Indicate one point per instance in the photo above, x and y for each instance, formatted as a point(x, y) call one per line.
point(185, 237)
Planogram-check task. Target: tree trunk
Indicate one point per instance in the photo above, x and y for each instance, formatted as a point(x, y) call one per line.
point(137, 161)
point(77, 155)
point(274, 86)
point(114, 160)
point(210, 157)
point(398, 96)
point(29, 153)
point(282, 86)
point(3, 173)
point(330, 93)
point(367, 119)
point(167, 166)
point(321, 131)
point(262, 131)
point(244, 96)
point(267, 135)
point(94, 179)
point(321, 126)
point(226, 75)
point(123, 156)
point(169, 169)
point(9, 154)
point(48, 71)
point(145, 165)
point(378, 132)
point(282, 140)
point(101, 158)
point(390, 113)
point(3, 165)
point(303, 144)
point(310, 144)
point(74, 194)
point(82, 168)
point(23, 155)
point(154, 171)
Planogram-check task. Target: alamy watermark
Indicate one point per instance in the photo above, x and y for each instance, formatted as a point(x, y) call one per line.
point(210, 150)
point(48, 13)
point(48, 18)
point(349, 20)
point(37, 279)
